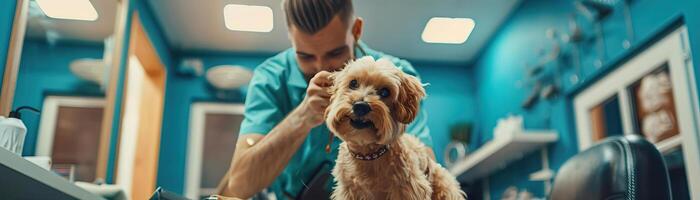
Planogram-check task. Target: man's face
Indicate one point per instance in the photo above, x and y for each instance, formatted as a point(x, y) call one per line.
point(326, 50)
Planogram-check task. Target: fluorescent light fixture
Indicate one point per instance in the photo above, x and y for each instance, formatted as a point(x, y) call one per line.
point(248, 18)
point(447, 30)
point(68, 9)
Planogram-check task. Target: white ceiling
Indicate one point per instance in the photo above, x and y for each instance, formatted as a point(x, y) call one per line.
point(392, 26)
point(40, 26)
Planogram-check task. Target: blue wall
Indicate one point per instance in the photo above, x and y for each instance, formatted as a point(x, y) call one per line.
point(44, 71)
point(7, 15)
point(500, 67)
point(450, 99)
point(181, 92)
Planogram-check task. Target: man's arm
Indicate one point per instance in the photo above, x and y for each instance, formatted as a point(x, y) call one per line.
point(255, 166)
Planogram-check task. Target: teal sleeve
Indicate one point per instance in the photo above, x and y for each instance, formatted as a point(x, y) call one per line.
point(262, 104)
point(419, 128)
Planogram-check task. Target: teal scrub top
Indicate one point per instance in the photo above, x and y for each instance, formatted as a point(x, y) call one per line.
point(277, 87)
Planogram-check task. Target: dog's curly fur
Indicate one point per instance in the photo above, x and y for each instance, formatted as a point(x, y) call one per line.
point(406, 170)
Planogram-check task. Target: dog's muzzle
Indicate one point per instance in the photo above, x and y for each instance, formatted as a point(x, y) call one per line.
point(359, 110)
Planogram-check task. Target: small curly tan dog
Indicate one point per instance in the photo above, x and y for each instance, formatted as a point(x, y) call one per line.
point(371, 104)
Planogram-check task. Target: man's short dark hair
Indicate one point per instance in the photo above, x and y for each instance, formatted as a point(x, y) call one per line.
point(310, 16)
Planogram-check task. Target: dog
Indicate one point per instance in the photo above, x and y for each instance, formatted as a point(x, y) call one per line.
point(370, 106)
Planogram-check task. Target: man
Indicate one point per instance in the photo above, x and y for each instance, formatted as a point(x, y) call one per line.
point(282, 137)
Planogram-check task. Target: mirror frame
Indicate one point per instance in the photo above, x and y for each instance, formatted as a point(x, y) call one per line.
point(111, 89)
point(14, 53)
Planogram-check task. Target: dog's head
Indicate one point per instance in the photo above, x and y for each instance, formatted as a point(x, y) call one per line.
point(372, 101)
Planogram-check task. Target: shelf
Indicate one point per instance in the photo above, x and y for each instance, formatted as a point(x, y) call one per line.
point(498, 153)
point(22, 179)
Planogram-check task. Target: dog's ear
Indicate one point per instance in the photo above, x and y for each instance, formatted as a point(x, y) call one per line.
point(407, 104)
point(331, 90)
point(334, 78)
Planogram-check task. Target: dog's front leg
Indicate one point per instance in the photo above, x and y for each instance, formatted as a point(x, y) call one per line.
point(348, 192)
point(445, 186)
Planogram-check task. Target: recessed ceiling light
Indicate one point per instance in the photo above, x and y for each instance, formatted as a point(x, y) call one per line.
point(68, 9)
point(447, 30)
point(248, 18)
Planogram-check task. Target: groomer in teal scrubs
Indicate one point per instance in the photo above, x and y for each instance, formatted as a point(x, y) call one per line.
point(283, 137)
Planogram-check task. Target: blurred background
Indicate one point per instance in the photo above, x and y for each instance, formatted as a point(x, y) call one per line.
point(140, 94)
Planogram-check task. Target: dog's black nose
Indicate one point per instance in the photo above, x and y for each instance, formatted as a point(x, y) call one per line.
point(361, 108)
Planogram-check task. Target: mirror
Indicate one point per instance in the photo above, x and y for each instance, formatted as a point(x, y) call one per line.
point(66, 55)
point(606, 119)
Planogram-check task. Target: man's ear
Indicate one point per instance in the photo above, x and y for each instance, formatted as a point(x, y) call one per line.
point(357, 28)
point(407, 104)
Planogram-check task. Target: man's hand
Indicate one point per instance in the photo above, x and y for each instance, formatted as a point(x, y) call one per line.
point(317, 98)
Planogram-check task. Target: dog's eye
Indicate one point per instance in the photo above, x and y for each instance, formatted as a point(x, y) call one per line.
point(384, 92)
point(353, 84)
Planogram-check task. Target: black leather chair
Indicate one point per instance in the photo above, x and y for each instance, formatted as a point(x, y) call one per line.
point(618, 168)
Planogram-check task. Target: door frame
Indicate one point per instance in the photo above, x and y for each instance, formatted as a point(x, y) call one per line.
point(137, 172)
